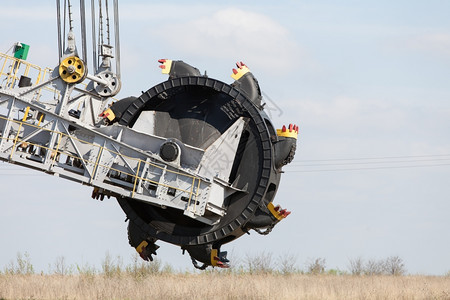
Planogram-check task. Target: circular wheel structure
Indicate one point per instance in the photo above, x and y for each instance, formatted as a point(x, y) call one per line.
point(72, 69)
point(197, 111)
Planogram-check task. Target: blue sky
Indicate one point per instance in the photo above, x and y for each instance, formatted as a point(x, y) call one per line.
point(367, 82)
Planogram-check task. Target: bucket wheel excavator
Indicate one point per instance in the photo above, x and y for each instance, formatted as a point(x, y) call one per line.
point(193, 161)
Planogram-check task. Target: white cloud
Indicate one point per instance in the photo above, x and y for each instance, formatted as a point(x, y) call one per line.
point(232, 32)
point(346, 126)
point(350, 115)
point(23, 14)
point(434, 43)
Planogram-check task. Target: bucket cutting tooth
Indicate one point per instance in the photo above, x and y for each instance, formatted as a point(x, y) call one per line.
point(99, 194)
point(177, 68)
point(165, 65)
point(246, 83)
point(277, 212)
point(241, 70)
point(146, 249)
point(286, 145)
point(219, 259)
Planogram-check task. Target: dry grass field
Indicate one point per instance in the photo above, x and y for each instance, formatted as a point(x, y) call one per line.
point(215, 285)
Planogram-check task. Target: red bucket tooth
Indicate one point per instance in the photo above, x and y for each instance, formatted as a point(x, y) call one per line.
point(162, 60)
point(283, 129)
point(235, 71)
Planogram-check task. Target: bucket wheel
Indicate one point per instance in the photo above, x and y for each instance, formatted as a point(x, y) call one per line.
point(197, 111)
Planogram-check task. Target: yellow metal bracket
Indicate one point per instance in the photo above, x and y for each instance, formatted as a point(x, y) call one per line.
point(165, 65)
point(240, 71)
point(141, 246)
point(214, 255)
point(291, 131)
point(277, 212)
point(109, 114)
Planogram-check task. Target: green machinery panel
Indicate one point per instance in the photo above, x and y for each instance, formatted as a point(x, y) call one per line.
point(21, 51)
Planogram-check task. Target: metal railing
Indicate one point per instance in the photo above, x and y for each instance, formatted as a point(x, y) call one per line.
point(12, 68)
point(136, 178)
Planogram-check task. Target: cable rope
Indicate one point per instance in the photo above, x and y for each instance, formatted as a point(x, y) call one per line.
point(64, 28)
point(100, 24)
point(83, 30)
point(108, 36)
point(70, 15)
point(371, 158)
point(10, 48)
point(367, 168)
point(370, 162)
point(117, 36)
point(94, 46)
point(58, 26)
point(384, 162)
point(367, 163)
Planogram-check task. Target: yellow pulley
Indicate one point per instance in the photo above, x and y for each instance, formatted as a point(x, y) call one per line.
point(72, 70)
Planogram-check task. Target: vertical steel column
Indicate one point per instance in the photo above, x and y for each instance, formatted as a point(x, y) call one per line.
point(83, 30)
point(117, 37)
point(94, 42)
point(58, 21)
